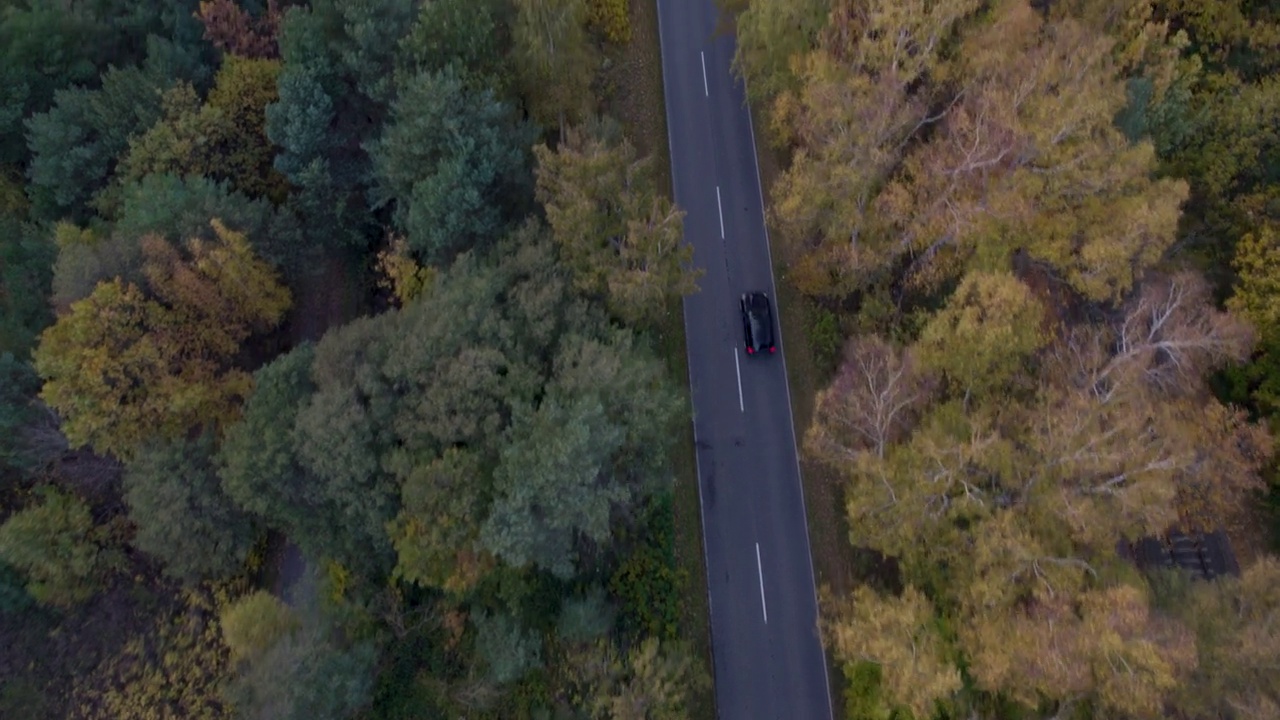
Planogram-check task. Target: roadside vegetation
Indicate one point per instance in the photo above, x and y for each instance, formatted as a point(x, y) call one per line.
point(1032, 253)
point(389, 281)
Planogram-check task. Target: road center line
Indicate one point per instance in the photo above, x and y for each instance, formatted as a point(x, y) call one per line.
point(705, 89)
point(760, 571)
point(720, 212)
point(738, 369)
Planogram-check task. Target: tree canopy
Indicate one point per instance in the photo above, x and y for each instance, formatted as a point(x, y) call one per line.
point(1022, 219)
point(621, 238)
point(283, 333)
point(182, 514)
point(451, 191)
point(127, 364)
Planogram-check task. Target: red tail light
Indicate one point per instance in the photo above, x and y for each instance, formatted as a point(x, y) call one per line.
point(772, 348)
point(749, 351)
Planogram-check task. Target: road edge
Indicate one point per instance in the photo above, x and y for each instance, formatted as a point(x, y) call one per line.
point(684, 316)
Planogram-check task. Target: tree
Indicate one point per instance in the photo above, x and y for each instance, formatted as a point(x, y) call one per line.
point(862, 94)
point(86, 258)
point(621, 238)
point(452, 191)
point(259, 464)
point(555, 59)
point(417, 432)
point(871, 403)
point(554, 484)
point(57, 547)
point(636, 391)
point(48, 48)
point(1009, 164)
point(771, 36)
point(221, 280)
point(1242, 37)
point(173, 208)
point(177, 208)
point(508, 650)
point(902, 635)
point(102, 368)
point(1256, 295)
point(26, 256)
point(980, 341)
point(224, 139)
point(342, 435)
point(1108, 648)
point(1018, 165)
point(242, 90)
point(479, 343)
point(1237, 644)
point(367, 46)
point(611, 18)
point(1255, 298)
point(657, 265)
point(400, 274)
point(651, 682)
point(305, 675)
point(176, 661)
point(19, 385)
point(648, 583)
point(235, 31)
point(182, 515)
point(123, 366)
point(463, 33)
point(1006, 505)
point(254, 623)
point(584, 618)
point(437, 531)
point(335, 87)
point(386, 397)
point(1215, 129)
point(1168, 337)
point(75, 144)
point(590, 185)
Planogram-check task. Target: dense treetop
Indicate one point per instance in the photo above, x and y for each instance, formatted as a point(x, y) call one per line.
point(306, 411)
point(1020, 220)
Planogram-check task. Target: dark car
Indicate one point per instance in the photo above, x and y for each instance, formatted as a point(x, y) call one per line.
point(757, 323)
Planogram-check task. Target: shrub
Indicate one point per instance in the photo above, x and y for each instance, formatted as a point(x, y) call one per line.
point(648, 583)
point(254, 623)
point(612, 18)
point(56, 545)
point(825, 338)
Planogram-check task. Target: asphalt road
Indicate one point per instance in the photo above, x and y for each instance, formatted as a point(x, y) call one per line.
point(768, 658)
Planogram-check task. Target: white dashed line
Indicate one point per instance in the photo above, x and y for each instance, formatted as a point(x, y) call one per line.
point(738, 369)
point(705, 89)
point(760, 571)
point(720, 212)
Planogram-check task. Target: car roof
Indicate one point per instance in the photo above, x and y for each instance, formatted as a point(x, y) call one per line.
point(760, 318)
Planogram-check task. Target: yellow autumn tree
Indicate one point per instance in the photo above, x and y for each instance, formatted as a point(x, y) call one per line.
point(400, 274)
point(902, 635)
point(223, 138)
point(858, 105)
point(128, 364)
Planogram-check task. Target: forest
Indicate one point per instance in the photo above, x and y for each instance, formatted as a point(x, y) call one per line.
point(338, 381)
point(1038, 246)
point(332, 381)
